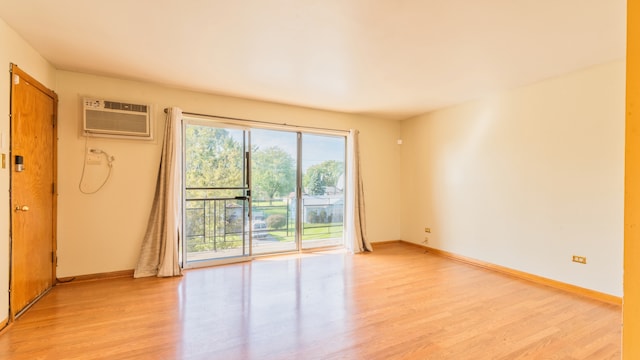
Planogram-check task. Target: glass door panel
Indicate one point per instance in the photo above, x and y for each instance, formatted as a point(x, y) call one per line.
point(323, 184)
point(274, 157)
point(216, 193)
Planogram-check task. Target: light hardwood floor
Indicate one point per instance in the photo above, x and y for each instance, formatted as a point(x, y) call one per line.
point(395, 303)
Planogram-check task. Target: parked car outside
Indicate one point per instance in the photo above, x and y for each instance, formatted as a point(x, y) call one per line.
point(259, 229)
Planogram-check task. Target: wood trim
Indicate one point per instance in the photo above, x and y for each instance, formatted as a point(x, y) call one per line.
point(596, 295)
point(387, 242)
point(16, 70)
point(94, 277)
point(54, 189)
point(631, 267)
point(6, 327)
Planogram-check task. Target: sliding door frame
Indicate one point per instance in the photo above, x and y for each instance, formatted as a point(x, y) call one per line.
point(246, 231)
point(248, 126)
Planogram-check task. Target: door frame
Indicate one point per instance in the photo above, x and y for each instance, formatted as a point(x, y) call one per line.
point(249, 126)
point(16, 71)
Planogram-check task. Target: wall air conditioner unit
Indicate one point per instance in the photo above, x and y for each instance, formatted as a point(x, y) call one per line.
point(116, 119)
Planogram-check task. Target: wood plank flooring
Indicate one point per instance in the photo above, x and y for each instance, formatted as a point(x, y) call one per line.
point(395, 303)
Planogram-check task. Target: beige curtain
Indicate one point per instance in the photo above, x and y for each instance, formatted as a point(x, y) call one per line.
point(357, 240)
point(159, 253)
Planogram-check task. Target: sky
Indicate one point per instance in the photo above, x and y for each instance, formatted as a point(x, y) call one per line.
point(315, 148)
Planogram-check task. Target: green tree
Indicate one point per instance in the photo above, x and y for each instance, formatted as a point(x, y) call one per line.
point(274, 173)
point(318, 177)
point(213, 158)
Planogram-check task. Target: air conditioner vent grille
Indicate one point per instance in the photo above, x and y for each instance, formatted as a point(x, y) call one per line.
point(116, 123)
point(124, 106)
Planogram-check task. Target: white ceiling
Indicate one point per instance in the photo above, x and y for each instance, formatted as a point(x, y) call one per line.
point(388, 58)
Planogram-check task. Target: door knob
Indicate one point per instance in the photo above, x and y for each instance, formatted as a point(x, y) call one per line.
point(22, 208)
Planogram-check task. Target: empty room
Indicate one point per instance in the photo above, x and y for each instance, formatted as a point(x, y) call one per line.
point(320, 179)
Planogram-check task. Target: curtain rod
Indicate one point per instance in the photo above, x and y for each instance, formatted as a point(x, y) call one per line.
point(259, 121)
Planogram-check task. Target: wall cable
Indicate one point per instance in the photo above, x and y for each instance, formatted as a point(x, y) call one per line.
point(110, 159)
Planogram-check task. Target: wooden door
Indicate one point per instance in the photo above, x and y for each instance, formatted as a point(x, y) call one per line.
point(33, 201)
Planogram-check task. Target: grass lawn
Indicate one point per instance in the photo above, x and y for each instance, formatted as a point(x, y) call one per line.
point(311, 232)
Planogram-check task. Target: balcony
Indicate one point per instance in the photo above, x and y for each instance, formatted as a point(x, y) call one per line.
point(213, 227)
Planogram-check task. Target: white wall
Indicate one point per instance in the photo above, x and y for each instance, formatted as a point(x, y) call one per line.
point(13, 49)
point(103, 232)
point(525, 179)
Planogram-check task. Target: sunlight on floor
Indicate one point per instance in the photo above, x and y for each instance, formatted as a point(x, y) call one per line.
point(302, 255)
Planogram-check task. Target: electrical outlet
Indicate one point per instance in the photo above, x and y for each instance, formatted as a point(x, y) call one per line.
point(427, 230)
point(579, 259)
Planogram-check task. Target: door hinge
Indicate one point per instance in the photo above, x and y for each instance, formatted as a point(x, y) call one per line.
point(53, 120)
point(53, 188)
point(53, 257)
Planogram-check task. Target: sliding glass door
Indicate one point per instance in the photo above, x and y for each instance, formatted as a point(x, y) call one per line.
point(259, 191)
point(274, 175)
point(323, 181)
point(216, 193)
point(291, 171)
